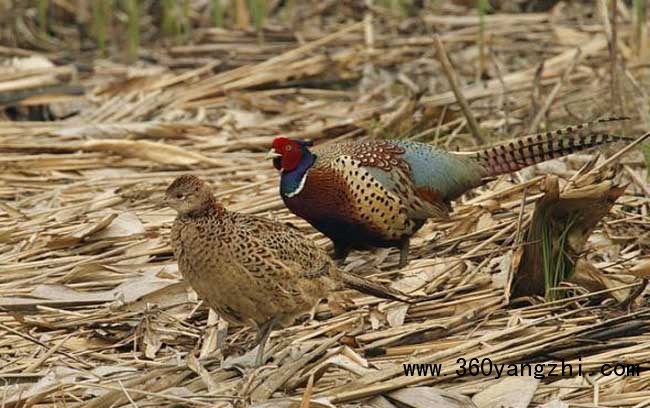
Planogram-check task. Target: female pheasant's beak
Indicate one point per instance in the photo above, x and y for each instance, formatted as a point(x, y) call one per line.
point(272, 154)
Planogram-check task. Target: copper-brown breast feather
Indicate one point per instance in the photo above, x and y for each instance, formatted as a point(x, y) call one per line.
point(326, 196)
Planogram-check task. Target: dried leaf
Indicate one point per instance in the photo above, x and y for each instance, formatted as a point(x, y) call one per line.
point(396, 315)
point(556, 403)
point(485, 221)
point(501, 278)
point(512, 392)
point(64, 293)
point(31, 63)
point(293, 403)
point(53, 379)
point(195, 365)
point(641, 270)
point(142, 252)
point(81, 232)
point(594, 280)
point(124, 225)
point(419, 278)
point(211, 336)
point(350, 364)
point(380, 402)
point(165, 297)
point(151, 340)
point(425, 397)
point(135, 289)
point(153, 151)
point(568, 36)
point(157, 130)
point(106, 371)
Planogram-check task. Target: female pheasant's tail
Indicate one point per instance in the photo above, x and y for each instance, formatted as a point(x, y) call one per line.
point(368, 287)
point(526, 151)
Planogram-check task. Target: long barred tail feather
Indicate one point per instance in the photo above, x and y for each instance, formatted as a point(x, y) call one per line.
point(526, 151)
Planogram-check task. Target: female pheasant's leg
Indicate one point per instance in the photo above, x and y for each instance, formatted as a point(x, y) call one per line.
point(263, 332)
point(404, 252)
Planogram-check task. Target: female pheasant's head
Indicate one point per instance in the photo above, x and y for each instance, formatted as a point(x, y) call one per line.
point(288, 154)
point(189, 195)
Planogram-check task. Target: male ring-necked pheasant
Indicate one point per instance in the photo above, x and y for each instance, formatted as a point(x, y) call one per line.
point(379, 193)
point(250, 269)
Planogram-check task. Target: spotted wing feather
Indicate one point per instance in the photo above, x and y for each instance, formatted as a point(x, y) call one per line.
point(419, 176)
point(288, 245)
point(383, 154)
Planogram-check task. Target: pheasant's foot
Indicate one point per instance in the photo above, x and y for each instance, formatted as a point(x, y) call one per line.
point(403, 253)
point(341, 252)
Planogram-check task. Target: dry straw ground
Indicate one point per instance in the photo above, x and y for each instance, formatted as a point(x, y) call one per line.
point(93, 312)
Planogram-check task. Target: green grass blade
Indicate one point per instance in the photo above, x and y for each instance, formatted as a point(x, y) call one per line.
point(133, 28)
point(100, 13)
point(217, 13)
point(169, 23)
point(186, 24)
point(258, 12)
point(43, 6)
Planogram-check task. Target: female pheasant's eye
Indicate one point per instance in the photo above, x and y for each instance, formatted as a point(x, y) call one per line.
point(180, 196)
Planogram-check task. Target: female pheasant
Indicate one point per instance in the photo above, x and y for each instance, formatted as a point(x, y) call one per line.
point(250, 269)
point(379, 193)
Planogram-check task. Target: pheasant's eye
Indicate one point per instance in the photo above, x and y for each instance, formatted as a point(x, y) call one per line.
point(180, 196)
point(288, 148)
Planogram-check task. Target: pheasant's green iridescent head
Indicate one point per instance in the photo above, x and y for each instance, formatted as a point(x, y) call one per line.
point(288, 153)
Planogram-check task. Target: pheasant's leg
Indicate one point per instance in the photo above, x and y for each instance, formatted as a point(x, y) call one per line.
point(263, 332)
point(312, 312)
point(341, 252)
point(404, 252)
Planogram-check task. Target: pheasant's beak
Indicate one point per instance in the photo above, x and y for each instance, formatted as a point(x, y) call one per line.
point(272, 154)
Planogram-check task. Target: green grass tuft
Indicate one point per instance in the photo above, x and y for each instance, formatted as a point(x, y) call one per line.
point(43, 6)
point(558, 265)
point(217, 13)
point(258, 9)
point(133, 28)
point(170, 24)
point(186, 24)
point(101, 12)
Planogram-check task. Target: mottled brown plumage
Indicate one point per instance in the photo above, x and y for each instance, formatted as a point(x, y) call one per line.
point(250, 269)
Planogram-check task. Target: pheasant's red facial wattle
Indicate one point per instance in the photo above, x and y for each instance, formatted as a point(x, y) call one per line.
point(290, 153)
